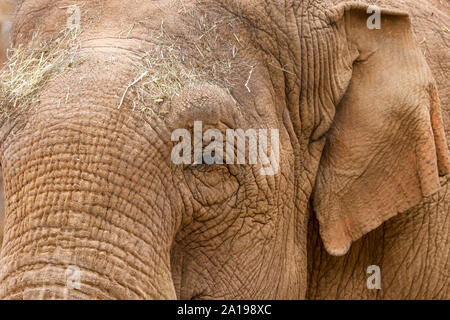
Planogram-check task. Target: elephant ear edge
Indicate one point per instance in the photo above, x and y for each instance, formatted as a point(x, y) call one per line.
point(386, 147)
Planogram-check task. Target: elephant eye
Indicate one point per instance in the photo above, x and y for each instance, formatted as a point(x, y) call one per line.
point(208, 159)
point(207, 162)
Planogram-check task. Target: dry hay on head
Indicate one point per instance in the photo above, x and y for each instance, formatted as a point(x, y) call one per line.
point(179, 61)
point(30, 67)
point(164, 72)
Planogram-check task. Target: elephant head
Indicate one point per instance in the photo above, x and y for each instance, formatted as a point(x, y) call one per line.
point(87, 152)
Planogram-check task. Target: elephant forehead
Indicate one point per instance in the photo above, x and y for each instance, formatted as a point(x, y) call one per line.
point(116, 18)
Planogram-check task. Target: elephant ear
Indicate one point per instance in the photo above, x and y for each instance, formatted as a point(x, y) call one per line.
point(386, 147)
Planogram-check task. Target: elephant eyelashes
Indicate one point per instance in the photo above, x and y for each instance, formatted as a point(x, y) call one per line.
point(208, 159)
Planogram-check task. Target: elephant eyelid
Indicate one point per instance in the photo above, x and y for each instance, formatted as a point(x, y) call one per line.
point(204, 161)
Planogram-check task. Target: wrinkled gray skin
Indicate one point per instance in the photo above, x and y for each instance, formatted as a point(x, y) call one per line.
point(89, 181)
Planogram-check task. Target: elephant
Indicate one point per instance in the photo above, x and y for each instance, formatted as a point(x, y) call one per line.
point(6, 9)
point(96, 207)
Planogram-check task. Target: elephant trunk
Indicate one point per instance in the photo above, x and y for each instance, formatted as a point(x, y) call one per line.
point(87, 209)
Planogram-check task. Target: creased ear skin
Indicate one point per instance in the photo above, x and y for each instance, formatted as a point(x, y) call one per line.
point(387, 146)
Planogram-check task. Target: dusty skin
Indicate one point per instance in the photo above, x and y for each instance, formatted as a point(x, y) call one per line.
point(363, 175)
